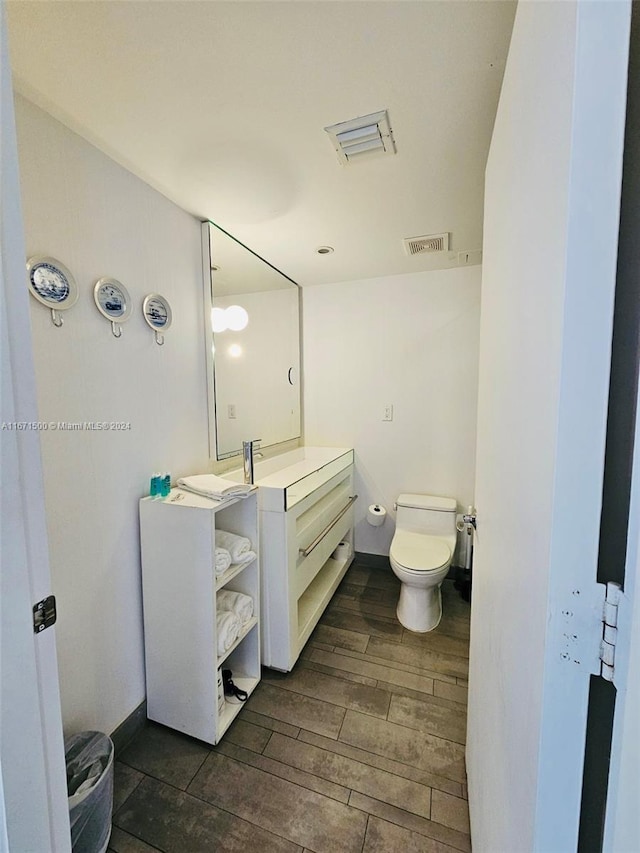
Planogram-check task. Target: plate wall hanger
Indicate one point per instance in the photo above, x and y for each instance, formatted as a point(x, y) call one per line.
point(157, 314)
point(113, 302)
point(51, 283)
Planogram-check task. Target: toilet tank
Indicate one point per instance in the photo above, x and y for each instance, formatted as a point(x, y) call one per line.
point(427, 514)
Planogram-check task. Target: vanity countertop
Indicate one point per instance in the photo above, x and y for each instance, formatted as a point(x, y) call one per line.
point(283, 471)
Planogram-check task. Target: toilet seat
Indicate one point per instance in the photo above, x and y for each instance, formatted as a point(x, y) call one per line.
point(419, 552)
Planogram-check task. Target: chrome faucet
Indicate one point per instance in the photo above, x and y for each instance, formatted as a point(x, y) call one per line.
point(247, 458)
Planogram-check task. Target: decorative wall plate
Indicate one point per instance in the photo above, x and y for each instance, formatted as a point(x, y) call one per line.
point(113, 302)
point(51, 283)
point(157, 313)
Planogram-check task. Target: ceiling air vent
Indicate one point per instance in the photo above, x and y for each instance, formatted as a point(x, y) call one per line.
point(359, 138)
point(427, 244)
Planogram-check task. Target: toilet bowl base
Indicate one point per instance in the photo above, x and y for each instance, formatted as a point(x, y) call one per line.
point(419, 609)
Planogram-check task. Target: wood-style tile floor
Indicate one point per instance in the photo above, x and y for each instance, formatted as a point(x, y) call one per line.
point(360, 749)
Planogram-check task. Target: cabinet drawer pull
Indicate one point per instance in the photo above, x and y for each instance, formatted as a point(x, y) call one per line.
point(306, 551)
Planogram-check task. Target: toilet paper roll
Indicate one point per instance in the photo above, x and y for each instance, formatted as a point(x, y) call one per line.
point(376, 515)
point(342, 552)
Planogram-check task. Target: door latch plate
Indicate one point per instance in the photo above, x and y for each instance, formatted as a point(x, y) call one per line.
point(44, 614)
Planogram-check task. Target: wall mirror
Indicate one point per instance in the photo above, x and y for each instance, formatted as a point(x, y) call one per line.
point(252, 318)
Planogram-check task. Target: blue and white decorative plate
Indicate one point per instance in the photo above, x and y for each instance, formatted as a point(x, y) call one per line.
point(51, 283)
point(112, 300)
point(157, 312)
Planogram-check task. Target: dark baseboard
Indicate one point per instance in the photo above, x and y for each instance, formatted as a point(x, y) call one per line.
point(129, 728)
point(372, 561)
point(381, 561)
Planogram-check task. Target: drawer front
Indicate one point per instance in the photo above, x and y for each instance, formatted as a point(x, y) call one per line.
point(320, 514)
point(308, 567)
point(300, 490)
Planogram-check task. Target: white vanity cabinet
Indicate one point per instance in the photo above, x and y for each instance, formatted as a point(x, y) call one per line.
point(306, 510)
point(179, 587)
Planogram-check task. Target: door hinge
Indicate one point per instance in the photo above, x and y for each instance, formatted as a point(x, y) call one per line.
point(44, 614)
point(613, 599)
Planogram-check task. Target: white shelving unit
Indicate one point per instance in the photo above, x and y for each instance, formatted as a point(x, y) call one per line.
point(301, 525)
point(179, 587)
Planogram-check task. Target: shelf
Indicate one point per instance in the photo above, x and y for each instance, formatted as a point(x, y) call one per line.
point(233, 570)
point(314, 599)
point(233, 707)
point(245, 631)
point(180, 616)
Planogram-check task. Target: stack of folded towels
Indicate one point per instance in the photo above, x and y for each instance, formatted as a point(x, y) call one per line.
point(234, 609)
point(231, 548)
point(210, 486)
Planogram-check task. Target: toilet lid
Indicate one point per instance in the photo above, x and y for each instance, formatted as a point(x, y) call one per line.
point(419, 552)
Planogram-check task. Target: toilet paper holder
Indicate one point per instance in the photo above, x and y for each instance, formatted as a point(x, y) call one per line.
point(376, 515)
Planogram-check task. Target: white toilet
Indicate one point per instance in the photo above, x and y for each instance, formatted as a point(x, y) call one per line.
point(421, 553)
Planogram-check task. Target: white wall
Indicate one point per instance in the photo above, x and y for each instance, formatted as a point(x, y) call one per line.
point(98, 219)
point(551, 219)
point(410, 341)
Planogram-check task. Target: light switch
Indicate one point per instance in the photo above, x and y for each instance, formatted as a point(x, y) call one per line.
point(388, 413)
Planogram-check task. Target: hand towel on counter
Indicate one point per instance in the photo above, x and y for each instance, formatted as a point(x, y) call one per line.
point(237, 546)
point(236, 602)
point(210, 486)
point(223, 560)
point(228, 625)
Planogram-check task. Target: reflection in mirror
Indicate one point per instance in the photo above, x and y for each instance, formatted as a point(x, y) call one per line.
point(253, 325)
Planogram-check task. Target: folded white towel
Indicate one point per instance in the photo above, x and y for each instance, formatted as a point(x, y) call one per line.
point(228, 625)
point(211, 486)
point(223, 560)
point(247, 557)
point(236, 545)
point(237, 602)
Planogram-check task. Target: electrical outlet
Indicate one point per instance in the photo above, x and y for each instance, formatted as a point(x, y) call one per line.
point(231, 410)
point(388, 413)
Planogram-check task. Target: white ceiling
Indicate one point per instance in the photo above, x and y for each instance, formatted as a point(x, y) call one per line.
point(221, 106)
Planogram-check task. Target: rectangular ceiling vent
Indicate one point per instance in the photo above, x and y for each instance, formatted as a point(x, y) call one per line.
point(427, 244)
point(359, 138)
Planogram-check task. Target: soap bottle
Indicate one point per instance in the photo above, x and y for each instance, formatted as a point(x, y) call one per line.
point(166, 484)
point(155, 486)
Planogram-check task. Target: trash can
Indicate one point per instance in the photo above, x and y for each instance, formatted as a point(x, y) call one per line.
point(89, 760)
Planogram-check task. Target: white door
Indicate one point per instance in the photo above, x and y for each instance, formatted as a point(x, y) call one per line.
point(34, 815)
point(549, 267)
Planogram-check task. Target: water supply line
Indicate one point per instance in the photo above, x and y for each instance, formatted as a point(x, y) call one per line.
point(468, 522)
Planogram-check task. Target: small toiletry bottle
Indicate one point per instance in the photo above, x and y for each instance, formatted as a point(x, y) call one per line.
point(166, 484)
point(154, 489)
